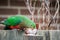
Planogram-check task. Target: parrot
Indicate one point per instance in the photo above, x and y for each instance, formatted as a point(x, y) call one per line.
point(20, 20)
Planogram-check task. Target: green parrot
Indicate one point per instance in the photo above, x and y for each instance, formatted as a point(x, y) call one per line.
point(26, 21)
point(21, 20)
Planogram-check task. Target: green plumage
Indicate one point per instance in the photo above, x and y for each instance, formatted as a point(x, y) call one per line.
point(12, 21)
point(22, 20)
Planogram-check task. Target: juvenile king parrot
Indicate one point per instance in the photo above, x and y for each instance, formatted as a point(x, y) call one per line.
point(21, 20)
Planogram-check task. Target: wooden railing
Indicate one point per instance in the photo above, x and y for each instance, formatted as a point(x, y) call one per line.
point(19, 35)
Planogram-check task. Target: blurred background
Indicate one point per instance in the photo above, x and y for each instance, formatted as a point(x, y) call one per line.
point(43, 13)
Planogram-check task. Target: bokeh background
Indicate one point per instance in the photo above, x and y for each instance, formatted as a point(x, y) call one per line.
point(18, 7)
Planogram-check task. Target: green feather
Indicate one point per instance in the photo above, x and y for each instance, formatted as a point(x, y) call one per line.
point(20, 19)
point(12, 21)
point(26, 21)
